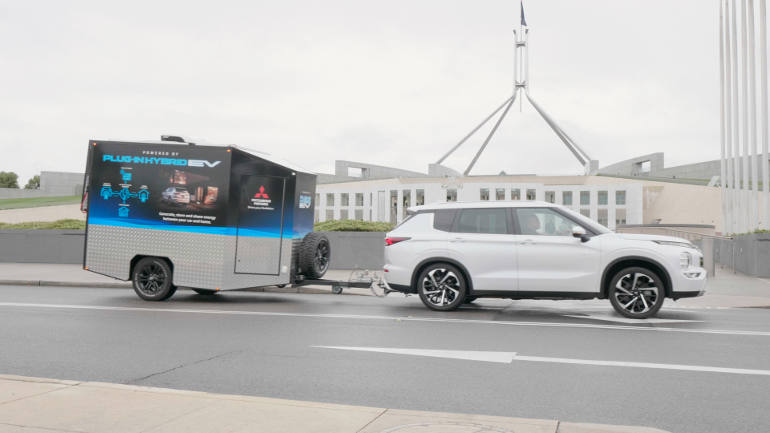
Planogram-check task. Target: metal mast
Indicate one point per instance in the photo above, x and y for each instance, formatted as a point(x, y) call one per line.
point(521, 85)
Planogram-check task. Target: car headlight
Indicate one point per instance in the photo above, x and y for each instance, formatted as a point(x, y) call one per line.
point(676, 244)
point(685, 260)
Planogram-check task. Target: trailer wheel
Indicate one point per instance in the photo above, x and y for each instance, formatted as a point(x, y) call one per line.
point(152, 278)
point(314, 255)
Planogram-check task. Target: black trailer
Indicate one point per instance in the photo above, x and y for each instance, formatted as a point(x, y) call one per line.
point(166, 214)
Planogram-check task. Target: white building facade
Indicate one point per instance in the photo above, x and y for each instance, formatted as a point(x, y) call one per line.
point(387, 200)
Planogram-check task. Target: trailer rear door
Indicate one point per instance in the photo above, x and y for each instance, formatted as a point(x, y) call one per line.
point(260, 225)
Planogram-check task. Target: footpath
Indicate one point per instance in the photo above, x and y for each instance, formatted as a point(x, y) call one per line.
point(35, 405)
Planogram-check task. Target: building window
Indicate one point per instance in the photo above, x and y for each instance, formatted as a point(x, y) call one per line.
point(585, 212)
point(419, 197)
point(585, 197)
point(451, 194)
point(406, 202)
point(484, 194)
point(566, 198)
point(344, 199)
point(620, 217)
point(531, 194)
point(343, 214)
point(602, 219)
point(550, 196)
point(500, 194)
point(515, 194)
point(329, 200)
point(620, 198)
point(359, 199)
point(360, 214)
point(602, 198)
point(329, 215)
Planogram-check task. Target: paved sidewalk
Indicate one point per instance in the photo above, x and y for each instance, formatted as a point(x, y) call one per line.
point(726, 290)
point(33, 405)
point(42, 213)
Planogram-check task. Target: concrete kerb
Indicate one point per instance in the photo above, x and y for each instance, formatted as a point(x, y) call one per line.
point(67, 405)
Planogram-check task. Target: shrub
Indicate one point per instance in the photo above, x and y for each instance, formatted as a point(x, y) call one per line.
point(352, 226)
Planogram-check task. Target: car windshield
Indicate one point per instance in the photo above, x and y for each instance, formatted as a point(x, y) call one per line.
point(593, 225)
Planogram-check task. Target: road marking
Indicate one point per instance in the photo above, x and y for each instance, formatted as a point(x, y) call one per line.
point(610, 318)
point(389, 318)
point(509, 357)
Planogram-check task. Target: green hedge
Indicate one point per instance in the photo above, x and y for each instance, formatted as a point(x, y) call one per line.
point(352, 226)
point(66, 224)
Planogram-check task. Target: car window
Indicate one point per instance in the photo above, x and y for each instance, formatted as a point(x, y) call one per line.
point(489, 220)
point(443, 219)
point(543, 222)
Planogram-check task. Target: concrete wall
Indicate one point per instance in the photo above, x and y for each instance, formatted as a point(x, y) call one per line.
point(61, 183)
point(350, 250)
point(633, 166)
point(42, 246)
point(750, 254)
point(52, 184)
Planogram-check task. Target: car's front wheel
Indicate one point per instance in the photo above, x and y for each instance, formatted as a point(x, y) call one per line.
point(636, 293)
point(441, 287)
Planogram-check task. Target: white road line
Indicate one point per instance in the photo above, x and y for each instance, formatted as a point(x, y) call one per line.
point(509, 357)
point(608, 318)
point(388, 318)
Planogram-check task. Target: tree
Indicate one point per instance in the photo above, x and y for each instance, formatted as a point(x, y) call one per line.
point(9, 179)
point(33, 182)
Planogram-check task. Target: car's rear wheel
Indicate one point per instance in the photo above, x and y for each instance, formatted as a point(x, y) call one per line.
point(152, 279)
point(441, 287)
point(636, 292)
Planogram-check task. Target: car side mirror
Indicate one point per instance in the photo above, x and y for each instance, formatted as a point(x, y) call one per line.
point(580, 233)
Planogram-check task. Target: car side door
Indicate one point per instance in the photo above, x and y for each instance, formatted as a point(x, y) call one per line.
point(482, 241)
point(549, 257)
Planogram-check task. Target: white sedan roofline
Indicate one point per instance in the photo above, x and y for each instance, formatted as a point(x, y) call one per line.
point(482, 204)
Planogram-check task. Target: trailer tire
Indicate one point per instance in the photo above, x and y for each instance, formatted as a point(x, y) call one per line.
point(152, 279)
point(314, 255)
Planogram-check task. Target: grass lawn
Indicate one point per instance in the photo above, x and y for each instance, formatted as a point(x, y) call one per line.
point(66, 224)
point(20, 203)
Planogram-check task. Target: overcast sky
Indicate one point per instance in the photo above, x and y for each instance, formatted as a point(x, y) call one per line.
point(393, 82)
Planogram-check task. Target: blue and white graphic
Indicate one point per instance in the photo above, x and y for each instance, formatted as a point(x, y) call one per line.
point(124, 193)
point(123, 212)
point(125, 175)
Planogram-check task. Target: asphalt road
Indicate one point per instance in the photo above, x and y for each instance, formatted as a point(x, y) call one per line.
point(694, 370)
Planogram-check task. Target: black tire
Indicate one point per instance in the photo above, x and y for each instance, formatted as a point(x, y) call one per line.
point(152, 279)
point(636, 292)
point(451, 289)
point(314, 255)
point(205, 292)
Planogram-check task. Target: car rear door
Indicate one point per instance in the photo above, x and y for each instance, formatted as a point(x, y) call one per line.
point(482, 241)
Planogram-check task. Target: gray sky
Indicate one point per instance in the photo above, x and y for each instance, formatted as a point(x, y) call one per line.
point(393, 83)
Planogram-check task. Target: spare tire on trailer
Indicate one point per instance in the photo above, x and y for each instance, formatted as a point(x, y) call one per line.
point(314, 255)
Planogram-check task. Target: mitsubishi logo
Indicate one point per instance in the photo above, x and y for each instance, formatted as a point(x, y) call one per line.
point(261, 193)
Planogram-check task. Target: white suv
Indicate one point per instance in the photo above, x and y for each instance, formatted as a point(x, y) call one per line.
point(451, 253)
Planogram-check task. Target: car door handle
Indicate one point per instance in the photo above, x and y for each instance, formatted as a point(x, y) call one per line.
point(456, 239)
point(527, 242)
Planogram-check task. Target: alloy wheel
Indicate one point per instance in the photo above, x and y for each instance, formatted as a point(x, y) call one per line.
point(151, 279)
point(636, 293)
point(322, 257)
point(441, 287)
